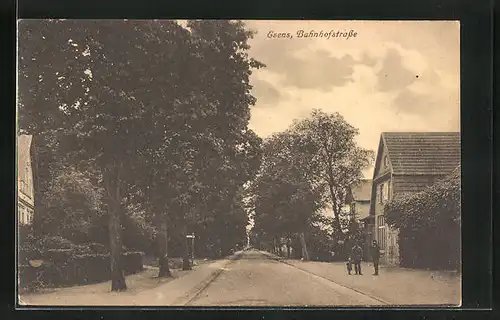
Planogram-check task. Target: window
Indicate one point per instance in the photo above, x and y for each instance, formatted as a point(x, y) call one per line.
point(385, 192)
point(386, 161)
point(381, 232)
point(381, 193)
point(21, 214)
point(30, 216)
point(389, 190)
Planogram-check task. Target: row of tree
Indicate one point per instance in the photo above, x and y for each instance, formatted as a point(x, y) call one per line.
point(149, 115)
point(305, 170)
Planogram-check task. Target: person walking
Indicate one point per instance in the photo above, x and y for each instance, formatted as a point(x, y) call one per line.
point(375, 253)
point(357, 255)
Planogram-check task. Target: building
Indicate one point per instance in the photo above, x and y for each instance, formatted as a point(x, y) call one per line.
point(358, 199)
point(407, 162)
point(25, 191)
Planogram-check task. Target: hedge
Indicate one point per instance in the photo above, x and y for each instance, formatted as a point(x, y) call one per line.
point(64, 268)
point(429, 225)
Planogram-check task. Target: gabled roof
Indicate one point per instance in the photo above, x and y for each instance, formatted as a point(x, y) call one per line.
point(422, 153)
point(361, 191)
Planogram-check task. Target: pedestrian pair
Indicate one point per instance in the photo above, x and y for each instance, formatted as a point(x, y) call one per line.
point(357, 267)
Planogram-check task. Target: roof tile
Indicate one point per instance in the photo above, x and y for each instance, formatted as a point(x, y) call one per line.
point(423, 153)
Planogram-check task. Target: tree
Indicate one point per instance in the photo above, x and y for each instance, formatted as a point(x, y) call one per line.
point(133, 97)
point(226, 154)
point(336, 157)
point(88, 95)
point(74, 205)
point(286, 197)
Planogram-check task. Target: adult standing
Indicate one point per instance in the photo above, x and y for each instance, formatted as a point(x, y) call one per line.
point(375, 253)
point(357, 255)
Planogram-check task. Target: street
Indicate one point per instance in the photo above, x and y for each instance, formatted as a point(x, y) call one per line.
point(258, 280)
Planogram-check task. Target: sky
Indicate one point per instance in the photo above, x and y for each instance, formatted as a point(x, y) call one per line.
point(390, 76)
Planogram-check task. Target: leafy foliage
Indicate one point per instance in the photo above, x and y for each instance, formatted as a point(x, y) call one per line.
point(308, 167)
point(155, 114)
point(286, 199)
point(429, 224)
point(336, 158)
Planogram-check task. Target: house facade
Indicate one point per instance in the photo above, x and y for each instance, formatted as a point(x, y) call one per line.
point(407, 162)
point(25, 190)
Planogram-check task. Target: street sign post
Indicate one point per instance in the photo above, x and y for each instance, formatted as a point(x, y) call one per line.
point(192, 237)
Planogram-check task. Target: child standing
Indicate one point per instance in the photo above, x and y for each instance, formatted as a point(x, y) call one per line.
point(349, 265)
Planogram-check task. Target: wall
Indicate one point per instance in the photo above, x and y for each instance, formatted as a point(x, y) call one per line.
point(385, 237)
point(25, 181)
point(381, 232)
point(369, 237)
point(362, 209)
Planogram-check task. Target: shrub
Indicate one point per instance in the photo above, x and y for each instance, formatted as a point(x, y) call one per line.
point(29, 249)
point(25, 233)
point(55, 242)
point(64, 268)
point(132, 262)
point(90, 268)
point(98, 248)
point(28, 276)
point(59, 256)
point(429, 225)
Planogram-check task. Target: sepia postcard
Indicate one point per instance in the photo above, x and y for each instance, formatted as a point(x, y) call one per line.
point(202, 163)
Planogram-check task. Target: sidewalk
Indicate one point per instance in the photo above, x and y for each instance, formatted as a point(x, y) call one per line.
point(170, 292)
point(397, 286)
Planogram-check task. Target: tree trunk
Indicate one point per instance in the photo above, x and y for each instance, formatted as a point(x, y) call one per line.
point(288, 248)
point(113, 189)
point(335, 211)
point(305, 254)
point(163, 250)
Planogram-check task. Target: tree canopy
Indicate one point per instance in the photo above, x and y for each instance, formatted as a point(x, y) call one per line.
point(337, 159)
point(157, 112)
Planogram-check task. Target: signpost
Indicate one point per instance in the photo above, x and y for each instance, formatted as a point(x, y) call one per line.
point(192, 237)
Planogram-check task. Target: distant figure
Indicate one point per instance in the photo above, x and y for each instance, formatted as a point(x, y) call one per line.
point(349, 265)
point(357, 255)
point(375, 253)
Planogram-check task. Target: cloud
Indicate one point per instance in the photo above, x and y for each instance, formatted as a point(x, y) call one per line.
point(372, 81)
point(367, 60)
point(439, 109)
point(410, 102)
point(319, 71)
point(297, 63)
point(394, 75)
point(266, 92)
